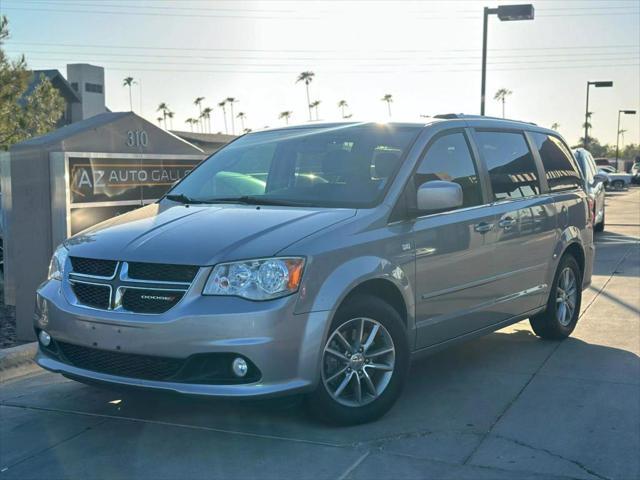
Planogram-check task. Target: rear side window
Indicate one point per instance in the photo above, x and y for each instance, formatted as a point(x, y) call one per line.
point(511, 167)
point(561, 170)
point(448, 158)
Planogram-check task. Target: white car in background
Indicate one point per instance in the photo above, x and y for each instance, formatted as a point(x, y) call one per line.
point(616, 180)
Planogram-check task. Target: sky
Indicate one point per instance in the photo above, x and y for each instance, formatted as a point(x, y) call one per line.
point(426, 54)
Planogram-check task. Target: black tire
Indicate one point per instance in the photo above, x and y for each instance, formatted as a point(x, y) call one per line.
point(322, 405)
point(618, 184)
point(547, 324)
point(600, 226)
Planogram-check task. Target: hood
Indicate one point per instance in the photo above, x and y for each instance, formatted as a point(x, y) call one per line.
point(201, 234)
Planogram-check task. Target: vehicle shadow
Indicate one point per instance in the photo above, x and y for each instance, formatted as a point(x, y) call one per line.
point(463, 389)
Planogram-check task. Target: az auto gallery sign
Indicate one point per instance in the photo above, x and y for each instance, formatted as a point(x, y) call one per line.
point(108, 180)
point(103, 186)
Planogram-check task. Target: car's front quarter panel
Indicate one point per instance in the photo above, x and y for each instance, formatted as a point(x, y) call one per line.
point(364, 249)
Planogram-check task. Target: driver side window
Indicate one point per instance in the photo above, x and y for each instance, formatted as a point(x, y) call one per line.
point(449, 159)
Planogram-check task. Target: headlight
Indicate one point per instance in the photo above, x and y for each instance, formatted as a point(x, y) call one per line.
point(58, 260)
point(262, 279)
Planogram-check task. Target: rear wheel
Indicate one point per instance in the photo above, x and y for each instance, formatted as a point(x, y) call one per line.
point(618, 184)
point(559, 319)
point(600, 226)
point(364, 363)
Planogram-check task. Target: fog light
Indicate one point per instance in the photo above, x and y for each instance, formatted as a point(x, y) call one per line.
point(240, 367)
point(45, 338)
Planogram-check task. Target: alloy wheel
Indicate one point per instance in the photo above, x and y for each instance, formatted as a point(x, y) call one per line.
point(566, 296)
point(358, 362)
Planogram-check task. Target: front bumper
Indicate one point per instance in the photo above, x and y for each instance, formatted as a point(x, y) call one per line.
point(285, 347)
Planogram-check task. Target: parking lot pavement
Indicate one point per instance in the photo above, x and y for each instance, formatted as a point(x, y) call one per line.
point(504, 406)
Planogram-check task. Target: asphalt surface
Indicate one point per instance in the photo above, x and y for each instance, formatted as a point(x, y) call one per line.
point(504, 406)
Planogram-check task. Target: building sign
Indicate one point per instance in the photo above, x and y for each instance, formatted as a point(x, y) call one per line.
point(108, 180)
point(101, 187)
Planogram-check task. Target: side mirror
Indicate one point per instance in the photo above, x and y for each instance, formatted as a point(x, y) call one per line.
point(439, 195)
point(599, 178)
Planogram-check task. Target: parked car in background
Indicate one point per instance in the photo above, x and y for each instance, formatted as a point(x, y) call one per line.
point(420, 236)
point(635, 172)
point(594, 184)
point(615, 180)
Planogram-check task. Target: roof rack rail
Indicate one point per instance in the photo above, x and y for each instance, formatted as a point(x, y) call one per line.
point(452, 116)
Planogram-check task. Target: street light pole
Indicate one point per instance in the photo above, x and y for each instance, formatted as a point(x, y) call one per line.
point(586, 111)
point(505, 13)
point(626, 112)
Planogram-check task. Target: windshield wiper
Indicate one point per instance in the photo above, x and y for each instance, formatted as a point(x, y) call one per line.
point(252, 200)
point(182, 198)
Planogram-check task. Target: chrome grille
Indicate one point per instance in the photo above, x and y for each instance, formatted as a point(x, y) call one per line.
point(134, 287)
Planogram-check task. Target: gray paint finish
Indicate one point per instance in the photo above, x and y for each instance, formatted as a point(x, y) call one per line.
point(456, 282)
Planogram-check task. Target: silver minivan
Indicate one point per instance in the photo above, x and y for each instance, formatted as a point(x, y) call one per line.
point(321, 259)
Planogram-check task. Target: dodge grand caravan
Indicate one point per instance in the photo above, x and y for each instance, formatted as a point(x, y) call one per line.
point(321, 259)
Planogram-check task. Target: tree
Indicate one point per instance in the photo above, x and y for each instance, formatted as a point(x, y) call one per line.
point(285, 115)
point(342, 104)
point(23, 116)
point(191, 122)
point(159, 120)
point(207, 117)
point(163, 109)
point(231, 101)
point(315, 104)
point(242, 116)
point(129, 82)
point(170, 115)
point(555, 126)
point(223, 106)
point(501, 95)
point(198, 103)
point(388, 98)
point(307, 77)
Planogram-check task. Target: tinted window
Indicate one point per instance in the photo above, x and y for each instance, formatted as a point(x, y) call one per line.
point(448, 158)
point(510, 163)
point(585, 166)
point(561, 170)
point(349, 166)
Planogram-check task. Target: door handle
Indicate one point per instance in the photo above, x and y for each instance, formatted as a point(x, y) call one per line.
point(507, 223)
point(483, 227)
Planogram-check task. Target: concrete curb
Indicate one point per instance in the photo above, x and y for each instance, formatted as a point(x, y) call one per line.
point(18, 361)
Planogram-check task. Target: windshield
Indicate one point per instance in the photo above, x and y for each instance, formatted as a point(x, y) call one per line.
point(344, 166)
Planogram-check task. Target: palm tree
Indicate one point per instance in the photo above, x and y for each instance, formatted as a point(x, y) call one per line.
point(242, 116)
point(223, 106)
point(170, 115)
point(315, 105)
point(587, 125)
point(285, 115)
point(389, 99)
point(307, 77)
point(159, 120)
point(129, 82)
point(191, 122)
point(246, 130)
point(163, 108)
point(342, 104)
point(555, 126)
point(198, 102)
point(501, 95)
point(206, 113)
point(231, 101)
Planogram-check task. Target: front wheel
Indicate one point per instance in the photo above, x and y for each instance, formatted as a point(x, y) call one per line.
point(618, 184)
point(560, 317)
point(364, 363)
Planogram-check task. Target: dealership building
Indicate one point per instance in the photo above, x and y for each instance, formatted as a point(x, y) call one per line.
point(98, 165)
